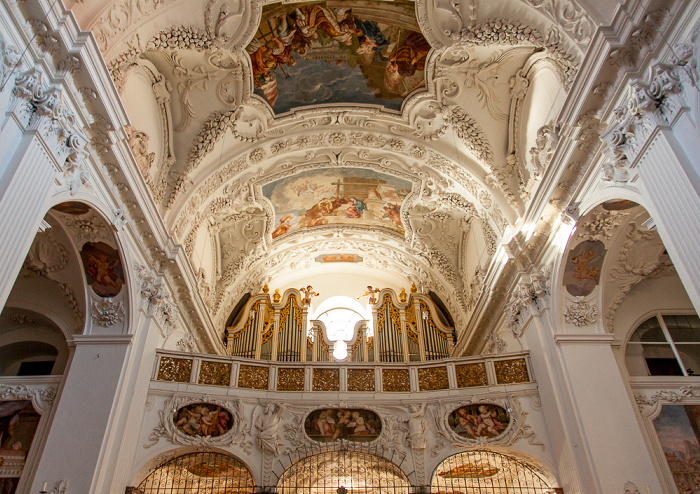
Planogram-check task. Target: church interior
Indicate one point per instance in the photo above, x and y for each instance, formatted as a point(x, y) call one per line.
point(349, 246)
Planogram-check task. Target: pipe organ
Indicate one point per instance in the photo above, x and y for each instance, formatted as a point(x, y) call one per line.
point(403, 329)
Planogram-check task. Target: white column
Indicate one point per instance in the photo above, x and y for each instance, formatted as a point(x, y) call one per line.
point(605, 412)
point(593, 427)
point(125, 435)
point(27, 177)
point(84, 414)
point(670, 182)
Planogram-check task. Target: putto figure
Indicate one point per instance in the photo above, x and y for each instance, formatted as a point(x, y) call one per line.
point(308, 293)
point(372, 293)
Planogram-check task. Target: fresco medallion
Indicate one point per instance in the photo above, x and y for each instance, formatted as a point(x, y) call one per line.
point(351, 424)
point(203, 419)
point(103, 268)
point(369, 52)
point(480, 420)
point(337, 196)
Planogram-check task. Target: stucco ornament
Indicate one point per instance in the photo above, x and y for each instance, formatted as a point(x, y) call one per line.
point(166, 426)
point(580, 313)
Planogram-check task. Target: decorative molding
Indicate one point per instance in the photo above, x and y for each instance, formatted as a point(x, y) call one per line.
point(631, 488)
point(21, 318)
point(166, 427)
point(569, 16)
point(517, 429)
point(580, 313)
point(529, 299)
point(647, 106)
point(61, 487)
point(106, 312)
point(122, 15)
point(684, 392)
point(641, 256)
point(42, 398)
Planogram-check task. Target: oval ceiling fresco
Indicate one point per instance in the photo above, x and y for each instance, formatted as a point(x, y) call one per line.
point(337, 196)
point(479, 420)
point(203, 419)
point(369, 52)
point(351, 424)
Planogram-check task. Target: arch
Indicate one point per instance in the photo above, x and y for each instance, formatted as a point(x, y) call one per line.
point(490, 471)
point(357, 471)
point(31, 337)
point(201, 472)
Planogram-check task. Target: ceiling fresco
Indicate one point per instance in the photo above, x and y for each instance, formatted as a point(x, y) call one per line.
point(337, 196)
point(338, 52)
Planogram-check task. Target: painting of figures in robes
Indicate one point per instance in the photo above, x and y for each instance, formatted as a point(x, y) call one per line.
point(678, 428)
point(331, 196)
point(18, 424)
point(369, 52)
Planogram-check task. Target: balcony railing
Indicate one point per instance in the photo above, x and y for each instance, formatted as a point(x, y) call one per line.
point(448, 374)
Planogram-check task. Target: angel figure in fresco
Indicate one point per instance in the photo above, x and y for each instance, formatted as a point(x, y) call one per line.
point(102, 271)
point(406, 59)
point(488, 422)
point(325, 424)
point(189, 421)
point(372, 293)
point(308, 293)
point(583, 272)
point(266, 421)
point(466, 422)
point(284, 226)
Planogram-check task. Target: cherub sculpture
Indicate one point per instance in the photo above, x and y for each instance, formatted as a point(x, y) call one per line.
point(308, 293)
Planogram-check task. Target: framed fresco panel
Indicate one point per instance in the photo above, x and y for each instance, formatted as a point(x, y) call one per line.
point(18, 424)
point(479, 420)
point(678, 429)
point(352, 424)
point(203, 419)
point(583, 267)
point(333, 196)
point(103, 268)
point(368, 52)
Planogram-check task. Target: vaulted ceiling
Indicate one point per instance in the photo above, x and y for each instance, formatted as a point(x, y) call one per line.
point(341, 168)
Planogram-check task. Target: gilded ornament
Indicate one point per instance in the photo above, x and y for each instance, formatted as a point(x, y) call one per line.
point(511, 371)
point(326, 380)
point(290, 379)
point(174, 369)
point(215, 373)
point(253, 377)
point(433, 378)
point(402, 296)
point(360, 379)
point(396, 380)
point(394, 313)
point(469, 375)
point(276, 297)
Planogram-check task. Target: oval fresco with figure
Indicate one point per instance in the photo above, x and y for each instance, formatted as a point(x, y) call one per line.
point(351, 424)
point(369, 52)
point(479, 420)
point(203, 419)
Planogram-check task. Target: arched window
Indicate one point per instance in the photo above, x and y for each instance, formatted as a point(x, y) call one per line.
point(488, 472)
point(665, 345)
point(343, 470)
point(199, 473)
